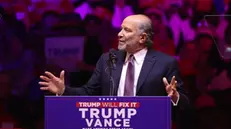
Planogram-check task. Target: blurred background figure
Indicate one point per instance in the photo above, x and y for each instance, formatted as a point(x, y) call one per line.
point(163, 36)
point(121, 10)
point(83, 8)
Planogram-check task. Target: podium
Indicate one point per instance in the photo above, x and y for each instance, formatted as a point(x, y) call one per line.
point(107, 112)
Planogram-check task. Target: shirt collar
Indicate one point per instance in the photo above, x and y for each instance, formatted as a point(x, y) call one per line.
point(138, 56)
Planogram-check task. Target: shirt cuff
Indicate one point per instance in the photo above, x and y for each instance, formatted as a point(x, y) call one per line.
point(175, 104)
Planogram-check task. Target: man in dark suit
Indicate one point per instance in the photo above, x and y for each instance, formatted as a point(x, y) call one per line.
point(139, 70)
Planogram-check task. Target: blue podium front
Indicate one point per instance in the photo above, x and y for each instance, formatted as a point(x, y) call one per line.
point(103, 112)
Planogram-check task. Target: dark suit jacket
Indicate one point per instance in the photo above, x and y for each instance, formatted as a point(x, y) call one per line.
point(156, 66)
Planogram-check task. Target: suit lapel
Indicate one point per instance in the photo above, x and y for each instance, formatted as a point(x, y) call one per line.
point(148, 63)
point(117, 72)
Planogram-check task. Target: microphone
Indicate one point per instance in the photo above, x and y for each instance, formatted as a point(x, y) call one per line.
point(112, 57)
point(112, 65)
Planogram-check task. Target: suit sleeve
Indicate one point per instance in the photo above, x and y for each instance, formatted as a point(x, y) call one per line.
point(173, 70)
point(93, 85)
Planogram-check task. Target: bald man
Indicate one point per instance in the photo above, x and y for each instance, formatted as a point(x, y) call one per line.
point(140, 71)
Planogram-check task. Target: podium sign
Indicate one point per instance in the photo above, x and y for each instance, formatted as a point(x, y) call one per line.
point(107, 112)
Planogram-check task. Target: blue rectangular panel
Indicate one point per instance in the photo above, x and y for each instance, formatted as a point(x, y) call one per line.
point(107, 112)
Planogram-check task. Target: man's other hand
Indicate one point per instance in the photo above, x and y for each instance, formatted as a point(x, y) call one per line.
point(52, 83)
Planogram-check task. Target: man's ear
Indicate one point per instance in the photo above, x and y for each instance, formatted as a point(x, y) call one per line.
point(143, 38)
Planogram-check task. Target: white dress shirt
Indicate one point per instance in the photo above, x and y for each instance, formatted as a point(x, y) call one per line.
point(138, 62)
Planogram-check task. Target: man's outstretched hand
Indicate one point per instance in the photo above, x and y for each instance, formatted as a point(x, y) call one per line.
point(52, 83)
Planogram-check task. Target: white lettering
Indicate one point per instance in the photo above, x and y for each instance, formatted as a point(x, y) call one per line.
point(116, 123)
point(111, 117)
point(108, 122)
point(89, 122)
point(131, 112)
point(109, 114)
point(126, 123)
point(118, 113)
point(94, 113)
point(98, 123)
point(83, 110)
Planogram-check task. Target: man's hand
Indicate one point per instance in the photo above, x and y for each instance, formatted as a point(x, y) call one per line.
point(171, 89)
point(53, 83)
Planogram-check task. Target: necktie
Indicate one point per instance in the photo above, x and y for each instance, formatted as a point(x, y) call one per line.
point(129, 81)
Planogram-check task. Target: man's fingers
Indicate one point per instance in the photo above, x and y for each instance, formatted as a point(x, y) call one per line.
point(168, 89)
point(170, 94)
point(45, 78)
point(44, 88)
point(174, 89)
point(50, 75)
point(62, 75)
point(174, 86)
point(171, 89)
point(165, 81)
point(44, 83)
point(173, 80)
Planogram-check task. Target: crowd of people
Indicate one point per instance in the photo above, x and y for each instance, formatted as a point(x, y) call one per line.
point(198, 37)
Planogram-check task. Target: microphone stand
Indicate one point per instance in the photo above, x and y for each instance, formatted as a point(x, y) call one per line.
point(111, 67)
point(111, 79)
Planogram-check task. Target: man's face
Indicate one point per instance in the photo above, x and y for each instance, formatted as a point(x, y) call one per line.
point(129, 36)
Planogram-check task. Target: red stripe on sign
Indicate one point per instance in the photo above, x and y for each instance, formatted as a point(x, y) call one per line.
point(77, 104)
point(108, 104)
point(87, 104)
